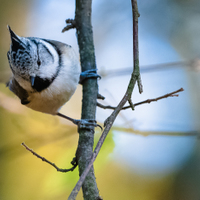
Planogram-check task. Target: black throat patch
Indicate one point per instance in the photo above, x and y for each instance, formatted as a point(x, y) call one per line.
point(42, 83)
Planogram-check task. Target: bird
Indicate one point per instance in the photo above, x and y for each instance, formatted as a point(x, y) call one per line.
point(45, 74)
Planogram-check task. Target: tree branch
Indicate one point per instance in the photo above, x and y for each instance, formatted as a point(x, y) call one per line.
point(110, 120)
point(90, 91)
point(74, 162)
point(172, 94)
point(108, 125)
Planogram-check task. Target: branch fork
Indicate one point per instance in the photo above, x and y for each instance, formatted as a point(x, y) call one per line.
point(86, 171)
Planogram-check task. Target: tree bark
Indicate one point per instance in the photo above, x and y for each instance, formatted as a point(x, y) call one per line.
point(90, 91)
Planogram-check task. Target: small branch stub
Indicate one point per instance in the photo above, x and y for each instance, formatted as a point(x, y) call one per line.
point(131, 104)
point(71, 23)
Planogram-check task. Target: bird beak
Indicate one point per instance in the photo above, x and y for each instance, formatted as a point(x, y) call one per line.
point(16, 41)
point(32, 80)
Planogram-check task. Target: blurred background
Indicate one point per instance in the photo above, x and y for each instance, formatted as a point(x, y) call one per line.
point(152, 153)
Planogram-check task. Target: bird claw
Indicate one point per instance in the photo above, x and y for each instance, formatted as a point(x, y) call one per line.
point(91, 73)
point(88, 124)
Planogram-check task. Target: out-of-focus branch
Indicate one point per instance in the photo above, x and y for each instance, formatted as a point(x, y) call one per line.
point(74, 162)
point(192, 64)
point(130, 130)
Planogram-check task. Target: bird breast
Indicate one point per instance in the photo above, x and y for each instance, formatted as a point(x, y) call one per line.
point(56, 95)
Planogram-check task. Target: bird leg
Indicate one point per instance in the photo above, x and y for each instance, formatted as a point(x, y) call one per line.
point(82, 123)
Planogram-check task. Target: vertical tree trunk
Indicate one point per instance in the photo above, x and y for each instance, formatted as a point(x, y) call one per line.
point(90, 91)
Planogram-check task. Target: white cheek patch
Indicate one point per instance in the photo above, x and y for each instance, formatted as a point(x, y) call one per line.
point(49, 69)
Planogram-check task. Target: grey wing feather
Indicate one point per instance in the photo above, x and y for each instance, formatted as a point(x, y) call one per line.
point(18, 90)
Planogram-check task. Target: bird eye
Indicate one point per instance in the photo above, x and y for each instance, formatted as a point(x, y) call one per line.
point(39, 62)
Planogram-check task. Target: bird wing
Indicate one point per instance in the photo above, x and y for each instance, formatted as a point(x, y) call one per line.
point(15, 87)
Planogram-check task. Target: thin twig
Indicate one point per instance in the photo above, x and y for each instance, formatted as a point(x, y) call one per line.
point(74, 163)
point(135, 15)
point(105, 107)
point(172, 94)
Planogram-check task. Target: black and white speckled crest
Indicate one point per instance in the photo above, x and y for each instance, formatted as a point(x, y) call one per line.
point(19, 55)
point(34, 59)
